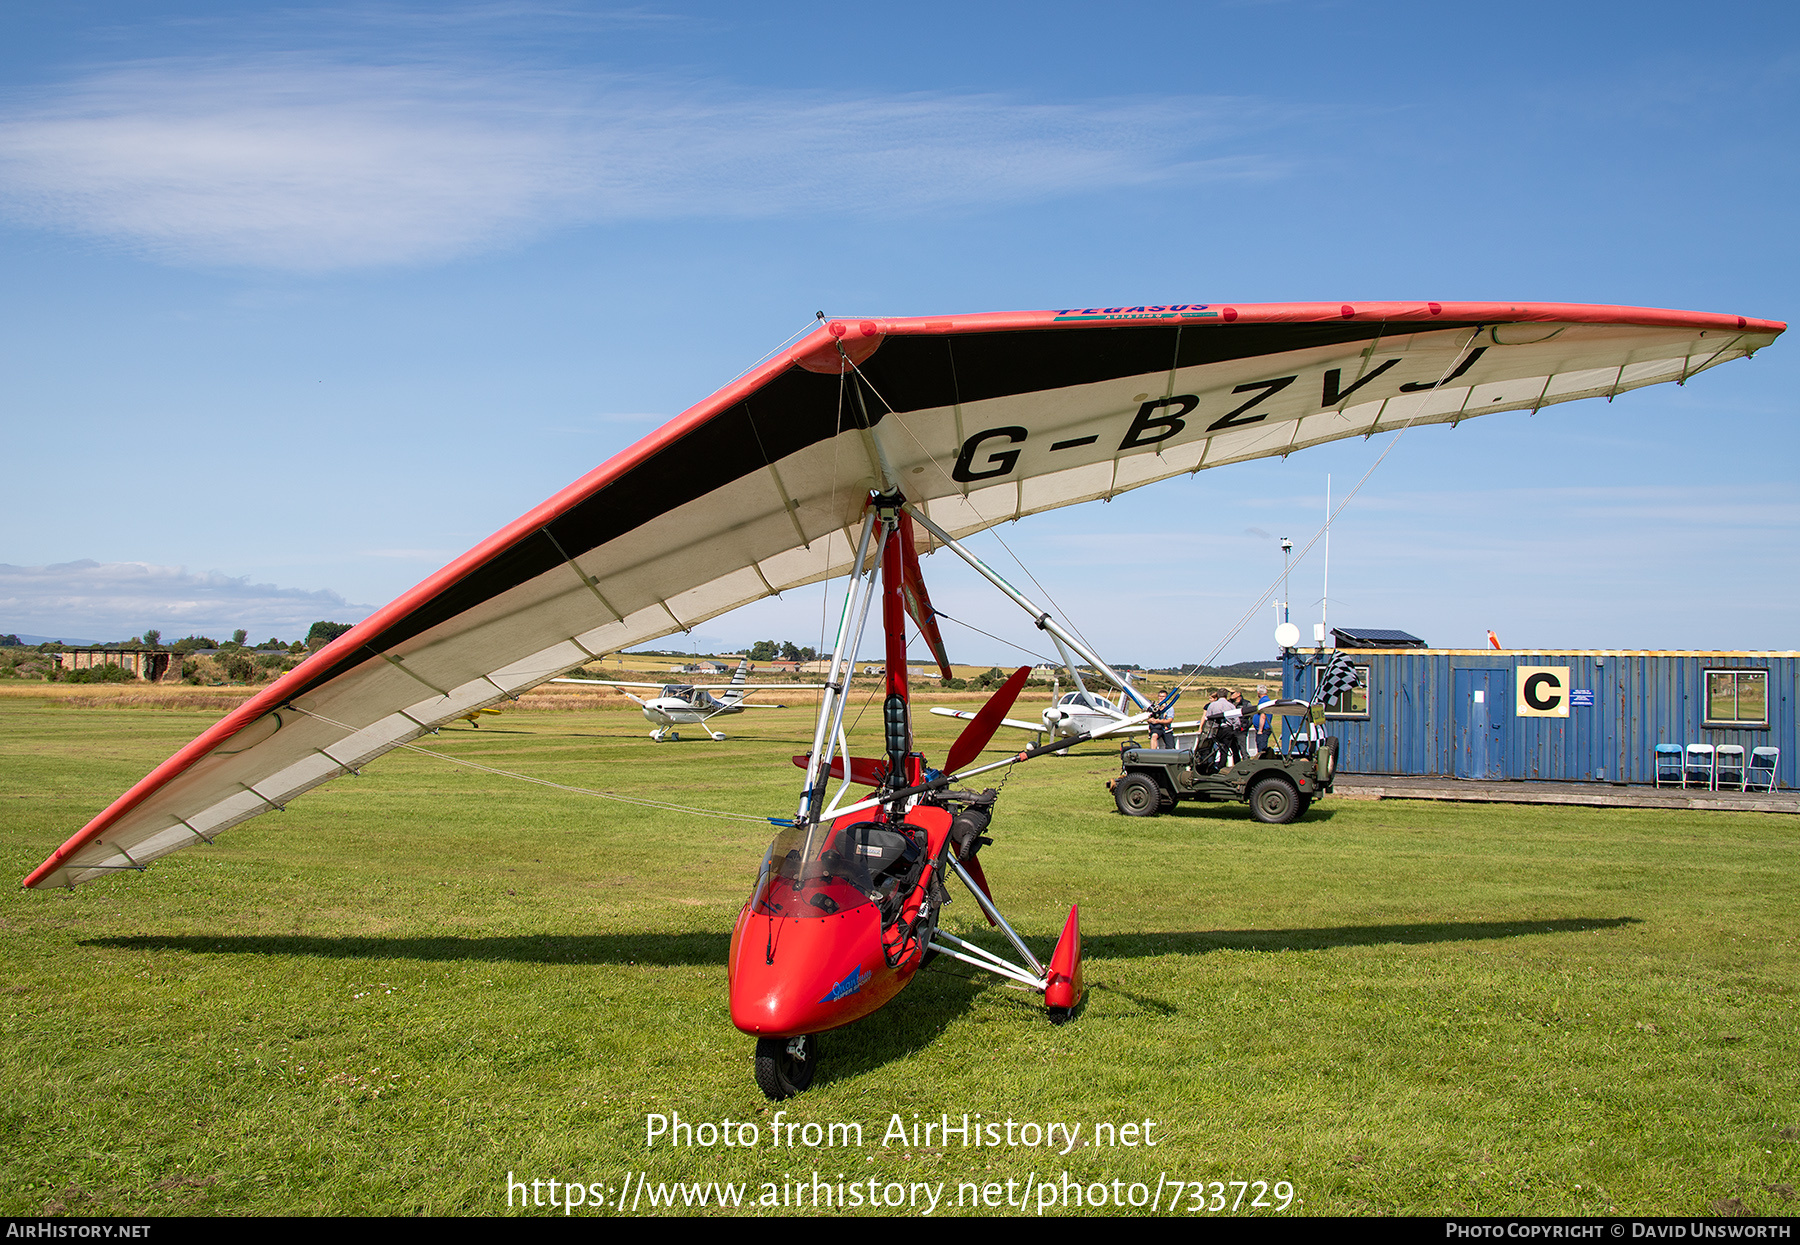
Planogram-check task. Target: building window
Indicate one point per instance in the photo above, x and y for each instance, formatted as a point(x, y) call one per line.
point(1737, 698)
point(1353, 703)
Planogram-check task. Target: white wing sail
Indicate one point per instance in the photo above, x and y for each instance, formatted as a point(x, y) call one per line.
point(979, 419)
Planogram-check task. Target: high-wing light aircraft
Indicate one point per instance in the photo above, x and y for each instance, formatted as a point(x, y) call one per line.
point(974, 420)
point(692, 704)
point(1082, 711)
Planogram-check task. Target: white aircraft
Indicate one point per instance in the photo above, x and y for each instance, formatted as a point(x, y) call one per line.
point(1083, 712)
point(687, 704)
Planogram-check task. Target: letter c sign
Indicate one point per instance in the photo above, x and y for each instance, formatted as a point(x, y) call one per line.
point(1543, 692)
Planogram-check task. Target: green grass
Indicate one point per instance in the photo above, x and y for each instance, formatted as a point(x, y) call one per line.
point(416, 981)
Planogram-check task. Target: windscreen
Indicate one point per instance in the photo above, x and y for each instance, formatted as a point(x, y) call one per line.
point(824, 870)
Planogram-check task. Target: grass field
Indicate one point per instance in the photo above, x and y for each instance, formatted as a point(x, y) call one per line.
point(415, 982)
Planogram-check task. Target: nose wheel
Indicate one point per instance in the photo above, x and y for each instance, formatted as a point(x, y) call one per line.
point(785, 1066)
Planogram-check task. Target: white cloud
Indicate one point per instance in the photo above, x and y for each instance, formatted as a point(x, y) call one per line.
point(303, 164)
point(114, 600)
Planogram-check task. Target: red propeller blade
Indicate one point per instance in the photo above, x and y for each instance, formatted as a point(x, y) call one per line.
point(869, 771)
point(976, 734)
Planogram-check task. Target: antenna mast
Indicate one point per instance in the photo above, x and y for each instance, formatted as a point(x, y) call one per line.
point(1325, 601)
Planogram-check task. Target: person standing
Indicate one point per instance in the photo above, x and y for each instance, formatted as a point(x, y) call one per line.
point(1161, 724)
point(1228, 712)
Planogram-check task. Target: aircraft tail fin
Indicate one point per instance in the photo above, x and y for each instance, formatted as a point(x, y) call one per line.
point(737, 690)
point(1062, 989)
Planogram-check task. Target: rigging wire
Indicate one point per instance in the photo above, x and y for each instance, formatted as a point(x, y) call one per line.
point(992, 530)
point(545, 782)
point(793, 337)
point(837, 437)
point(1257, 605)
point(1064, 614)
point(1264, 596)
point(1008, 643)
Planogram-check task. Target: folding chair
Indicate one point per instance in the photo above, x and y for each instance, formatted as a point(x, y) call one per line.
point(1668, 765)
point(1699, 771)
point(1763, 762)
point(1728, 767)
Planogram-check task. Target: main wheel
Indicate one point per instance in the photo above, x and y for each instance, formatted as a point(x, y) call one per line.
point(1273, 802)
point(785, 1066)
point(1137, 795)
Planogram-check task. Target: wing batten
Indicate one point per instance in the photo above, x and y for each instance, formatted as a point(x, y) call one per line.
point(993, 417)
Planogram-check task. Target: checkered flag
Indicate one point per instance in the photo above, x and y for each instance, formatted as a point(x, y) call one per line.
point(1338, 677)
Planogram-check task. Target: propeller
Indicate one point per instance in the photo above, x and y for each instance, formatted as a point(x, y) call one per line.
point(976, 734)
point(869, 771)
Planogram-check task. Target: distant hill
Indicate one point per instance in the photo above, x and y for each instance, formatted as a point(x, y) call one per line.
point(1237, 671)
point(54, 639)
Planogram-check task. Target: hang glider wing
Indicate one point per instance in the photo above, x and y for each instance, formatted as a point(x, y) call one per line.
point(977, 419)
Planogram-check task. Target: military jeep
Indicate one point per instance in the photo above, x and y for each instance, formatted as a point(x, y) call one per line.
point(1279, 784)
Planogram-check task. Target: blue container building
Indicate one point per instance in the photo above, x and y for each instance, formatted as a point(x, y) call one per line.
point(1569, 716)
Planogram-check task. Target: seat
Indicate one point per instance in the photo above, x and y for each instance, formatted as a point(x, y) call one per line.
point(1728, 767)
point(1698, 771)
point(1763, 763)
point(1668, 765)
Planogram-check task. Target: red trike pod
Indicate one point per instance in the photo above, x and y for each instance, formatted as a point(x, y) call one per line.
point(1062, 989)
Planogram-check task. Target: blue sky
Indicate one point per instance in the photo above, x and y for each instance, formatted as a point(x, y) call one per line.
point(299, 304)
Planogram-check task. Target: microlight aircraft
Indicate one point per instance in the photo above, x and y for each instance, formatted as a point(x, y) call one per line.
point(974, 420)
point(693, 704)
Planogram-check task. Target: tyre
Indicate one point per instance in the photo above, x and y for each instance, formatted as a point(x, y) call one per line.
point(1327, 760)
point(781, 1072)
point(1273, 802)
point(1137, 795)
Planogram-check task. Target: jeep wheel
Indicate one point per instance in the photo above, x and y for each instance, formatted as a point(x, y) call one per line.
point(1137, 795)
point(1273, 802)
